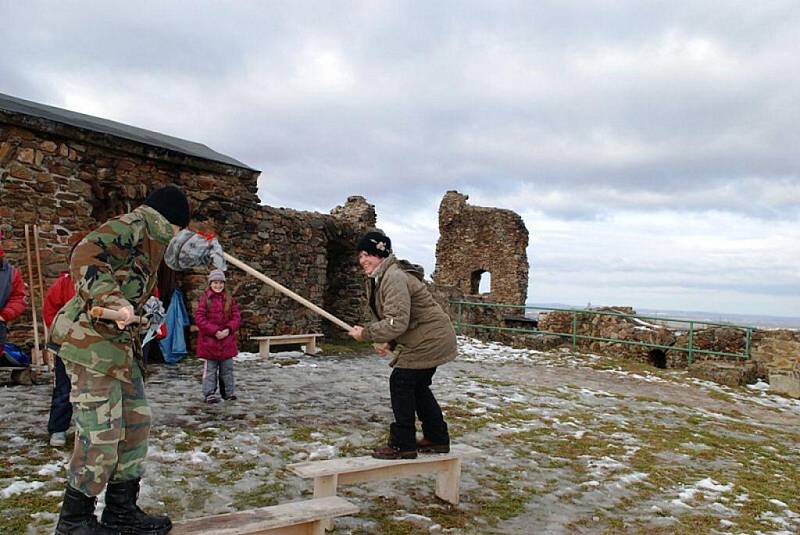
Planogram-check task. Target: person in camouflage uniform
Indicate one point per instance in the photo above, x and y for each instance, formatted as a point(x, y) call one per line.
point(113, 267)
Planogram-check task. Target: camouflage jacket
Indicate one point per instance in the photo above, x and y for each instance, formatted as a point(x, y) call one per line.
point(114, 266)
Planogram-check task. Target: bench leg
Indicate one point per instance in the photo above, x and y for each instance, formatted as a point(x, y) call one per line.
point(311, 347)
point(263, 349)
point(447, 483)
point(318, 527)
point(325, 486)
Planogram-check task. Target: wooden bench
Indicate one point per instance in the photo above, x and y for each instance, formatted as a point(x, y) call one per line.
point(307, 340)
point(329, 474)
point(307, 517)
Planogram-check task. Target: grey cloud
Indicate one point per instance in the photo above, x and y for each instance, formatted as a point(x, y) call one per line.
point(565, 110)
point(672, 100)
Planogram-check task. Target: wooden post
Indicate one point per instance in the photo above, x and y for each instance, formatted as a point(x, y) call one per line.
point(447, 482)
point(263, 349)
point(286, 291)
point(325, 486)
point(37, 357)
point(50, 359)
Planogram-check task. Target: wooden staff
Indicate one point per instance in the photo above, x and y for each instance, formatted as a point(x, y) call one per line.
point(41, 291)
point(37, 360)
point(286, 291)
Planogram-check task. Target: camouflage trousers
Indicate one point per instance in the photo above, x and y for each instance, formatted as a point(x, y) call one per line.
point(113, 426)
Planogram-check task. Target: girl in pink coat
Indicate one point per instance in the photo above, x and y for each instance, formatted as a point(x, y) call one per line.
point(217, 317)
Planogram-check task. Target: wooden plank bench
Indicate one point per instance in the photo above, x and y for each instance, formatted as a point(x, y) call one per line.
point(307, 340)
point(307, 517)
point(330, 473)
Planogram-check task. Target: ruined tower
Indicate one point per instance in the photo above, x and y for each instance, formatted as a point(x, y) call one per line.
point(474, 240)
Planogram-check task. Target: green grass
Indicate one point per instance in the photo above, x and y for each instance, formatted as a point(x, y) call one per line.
point(264, 495)
point(345, 346)
point(17, 510)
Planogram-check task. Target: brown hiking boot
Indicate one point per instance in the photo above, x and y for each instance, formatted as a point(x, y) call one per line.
point(426, 446)
point(388, 452)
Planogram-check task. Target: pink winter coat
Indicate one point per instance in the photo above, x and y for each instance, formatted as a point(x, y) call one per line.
point(210, 318)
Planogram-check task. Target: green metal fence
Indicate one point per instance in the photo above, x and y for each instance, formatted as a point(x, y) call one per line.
point(691, 328)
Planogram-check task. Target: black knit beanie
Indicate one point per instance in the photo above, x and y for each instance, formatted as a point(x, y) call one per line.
point(170, 202)
point(375, 244)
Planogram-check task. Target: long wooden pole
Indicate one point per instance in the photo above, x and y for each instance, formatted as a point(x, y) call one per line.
point(37, 360)
point(41, 289)
point(286, 291)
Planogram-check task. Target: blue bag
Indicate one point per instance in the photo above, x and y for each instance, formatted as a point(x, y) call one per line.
point(13, 355)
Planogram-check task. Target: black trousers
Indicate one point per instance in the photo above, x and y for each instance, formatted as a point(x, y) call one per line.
point(60, 407)
point(411, 394)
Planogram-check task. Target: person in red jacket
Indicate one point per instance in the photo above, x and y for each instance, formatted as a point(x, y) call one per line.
point(60, 407)
point(13, 295)
point(217, 317)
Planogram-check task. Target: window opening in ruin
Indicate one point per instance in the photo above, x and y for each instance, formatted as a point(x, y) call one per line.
point(657, 358)
point(480, 282)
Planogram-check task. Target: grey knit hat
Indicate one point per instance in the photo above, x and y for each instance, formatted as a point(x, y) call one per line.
point(216, 275)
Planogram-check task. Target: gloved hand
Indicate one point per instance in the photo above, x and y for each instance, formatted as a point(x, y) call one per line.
point(154, 312)
point(190, 249)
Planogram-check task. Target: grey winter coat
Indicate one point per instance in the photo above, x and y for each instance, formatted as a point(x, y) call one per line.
point(405, 314)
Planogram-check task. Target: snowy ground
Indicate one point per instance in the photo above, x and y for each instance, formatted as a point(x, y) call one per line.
point(573, 444)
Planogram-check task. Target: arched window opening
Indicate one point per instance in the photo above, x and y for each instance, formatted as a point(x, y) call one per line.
point(480, 282)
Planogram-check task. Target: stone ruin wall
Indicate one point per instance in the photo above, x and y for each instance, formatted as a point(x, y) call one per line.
point(488, 239)
point(473, 240)
point(775, 353)
point(67, 180)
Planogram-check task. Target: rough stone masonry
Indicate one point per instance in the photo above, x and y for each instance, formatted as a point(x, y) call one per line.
point(69, 175)
point(474, 240)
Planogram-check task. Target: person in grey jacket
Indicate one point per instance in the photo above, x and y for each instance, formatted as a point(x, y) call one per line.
point(409, 324)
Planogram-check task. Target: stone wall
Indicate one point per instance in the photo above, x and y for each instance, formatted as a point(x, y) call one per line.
point(474, 240)
point(778, 351)
point(774, 353)
point(615, 323)
point(68, 180)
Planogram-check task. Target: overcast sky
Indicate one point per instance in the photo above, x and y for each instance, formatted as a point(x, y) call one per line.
point(652, 148)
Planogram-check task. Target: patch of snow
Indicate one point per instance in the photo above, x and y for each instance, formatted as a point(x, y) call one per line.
point(51, 468)
point(759, 385)
point(199, 457)
point(243, 356)
point(323, 451)
point(721, 509)
point(769, 516)
point(679, 503)
point(710, 484)
point(19, 486)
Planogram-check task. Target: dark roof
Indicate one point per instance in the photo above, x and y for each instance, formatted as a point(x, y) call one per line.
point(124, 131)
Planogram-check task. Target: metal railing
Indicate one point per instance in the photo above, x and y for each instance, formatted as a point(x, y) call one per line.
point(691, 328)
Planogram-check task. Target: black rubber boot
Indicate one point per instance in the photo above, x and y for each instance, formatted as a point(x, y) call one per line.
point(122, 513)
point(77, 516)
